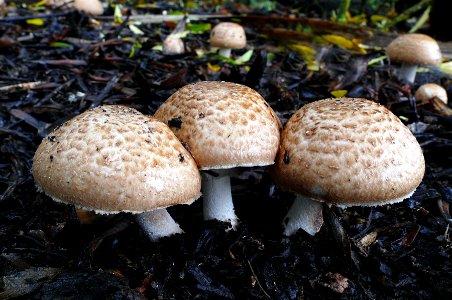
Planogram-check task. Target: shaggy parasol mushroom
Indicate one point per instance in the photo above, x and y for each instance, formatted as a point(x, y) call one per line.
point(113, 159)
point(224, 125)
point(345, 151)
point(412, 50)
point(227, 36)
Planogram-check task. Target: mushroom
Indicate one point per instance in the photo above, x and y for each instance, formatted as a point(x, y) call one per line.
point(433, 96)
point(224, 125)
point(411, 50)
point(90, 7)
point(173, 45)
point(430, 90)
point(113, 159)
point(345, 151)
point(227, 36)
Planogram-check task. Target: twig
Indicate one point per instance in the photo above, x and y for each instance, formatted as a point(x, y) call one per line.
point(39, 16)
point(257, 280)
point(103, 94)
point(19, 87)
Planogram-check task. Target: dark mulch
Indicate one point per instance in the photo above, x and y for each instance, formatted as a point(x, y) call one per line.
point(397, 251)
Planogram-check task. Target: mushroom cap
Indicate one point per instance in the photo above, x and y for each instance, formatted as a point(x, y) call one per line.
point(113, 158)
point(173, 46)
point(223, 124)
point(429, 90)
point(228, 35)
point(91, 7)
point(414, 48)
point(348, 151)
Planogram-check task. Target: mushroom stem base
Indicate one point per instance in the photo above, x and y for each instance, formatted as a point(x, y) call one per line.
point(226, 52)
point(407, 72)
point(304, 214)
point(217, 198)
point(158, 223)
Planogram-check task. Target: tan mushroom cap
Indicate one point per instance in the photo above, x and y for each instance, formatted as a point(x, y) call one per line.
point(223, 124)
point(113, 158)
point(228, 35)
point(414, 48)
point(91, 7)
point(429, 90)
point(348, 151)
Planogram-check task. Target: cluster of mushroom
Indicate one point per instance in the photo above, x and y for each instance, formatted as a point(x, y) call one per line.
point(113, 158)
point(341, 151)
point(412, 50)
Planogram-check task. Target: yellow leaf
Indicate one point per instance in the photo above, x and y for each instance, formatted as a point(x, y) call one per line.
point(213, 68)
point(308, 54)
point(339, 93)
point(343, 42)
point(36, 22)
point(446, 67)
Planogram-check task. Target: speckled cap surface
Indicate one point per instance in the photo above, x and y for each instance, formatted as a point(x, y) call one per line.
point(223, 124)
point(228, 35)
point(414, 48)
point(348, 151)
point(113, 158)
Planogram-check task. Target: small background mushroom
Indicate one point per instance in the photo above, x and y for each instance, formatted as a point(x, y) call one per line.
point(412, 50)
point(227, 36)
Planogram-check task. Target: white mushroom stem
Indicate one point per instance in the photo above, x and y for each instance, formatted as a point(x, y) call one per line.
point(217, 197)
point(407, 72)
point(226, 52)
point(305, 214)
point(158, 223)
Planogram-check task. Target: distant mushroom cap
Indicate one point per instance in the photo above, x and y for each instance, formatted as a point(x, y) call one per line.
point(223, 124)
point(228, 35)
point(429, 90)
point(173, 46)
point(91, 7)
point(414, 48)
point(348, 151)
point(113, 158)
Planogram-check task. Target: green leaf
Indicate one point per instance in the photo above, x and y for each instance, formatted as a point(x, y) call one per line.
point(198, 28)
point(60, 44)
point(244, 58)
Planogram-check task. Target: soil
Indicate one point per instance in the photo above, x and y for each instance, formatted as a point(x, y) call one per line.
point(54, 71)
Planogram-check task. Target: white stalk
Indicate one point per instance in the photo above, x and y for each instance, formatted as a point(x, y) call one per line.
point(305, 214)
point(158, 223)
point(407, 72)
point(217, 197)
point(226, 52)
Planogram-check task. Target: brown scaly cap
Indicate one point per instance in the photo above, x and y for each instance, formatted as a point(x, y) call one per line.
point(414, 48)
point(348, 151)
point(429, 90)
point(223, 124)
point(228, 35)
point(113, 158)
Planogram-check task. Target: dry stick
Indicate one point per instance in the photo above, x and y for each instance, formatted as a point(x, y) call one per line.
point(55, 91)
point(19, 87)
point(103, 94)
